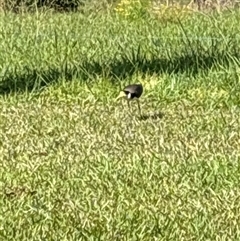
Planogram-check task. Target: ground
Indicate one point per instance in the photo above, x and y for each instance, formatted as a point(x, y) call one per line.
point(78, 165)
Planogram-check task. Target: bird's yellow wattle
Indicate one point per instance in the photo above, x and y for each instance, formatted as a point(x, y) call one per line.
point(121, 95)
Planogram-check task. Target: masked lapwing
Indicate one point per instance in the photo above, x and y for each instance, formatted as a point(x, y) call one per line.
point(132, 92)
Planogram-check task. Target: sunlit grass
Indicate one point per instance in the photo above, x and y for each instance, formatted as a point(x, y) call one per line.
point(78, 165)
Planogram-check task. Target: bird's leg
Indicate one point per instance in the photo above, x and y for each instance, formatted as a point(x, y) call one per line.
point(139, 109)
point(128, 105)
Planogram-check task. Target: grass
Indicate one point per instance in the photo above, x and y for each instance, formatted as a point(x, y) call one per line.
point(76, 165)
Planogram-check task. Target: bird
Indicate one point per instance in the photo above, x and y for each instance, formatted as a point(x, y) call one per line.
point(131, 92)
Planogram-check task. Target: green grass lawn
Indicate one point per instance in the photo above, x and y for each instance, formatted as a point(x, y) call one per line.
point(78, 165)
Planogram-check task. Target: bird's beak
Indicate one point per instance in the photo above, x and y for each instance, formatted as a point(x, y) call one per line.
point(121, 95)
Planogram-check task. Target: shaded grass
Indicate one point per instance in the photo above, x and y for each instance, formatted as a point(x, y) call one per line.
point(192, 63)
point(75, 165)
point(39, 52)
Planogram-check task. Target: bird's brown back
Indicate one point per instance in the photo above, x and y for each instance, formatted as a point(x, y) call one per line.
point(136, 89)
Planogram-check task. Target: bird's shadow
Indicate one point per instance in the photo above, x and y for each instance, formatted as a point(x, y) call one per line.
point(152, 116)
